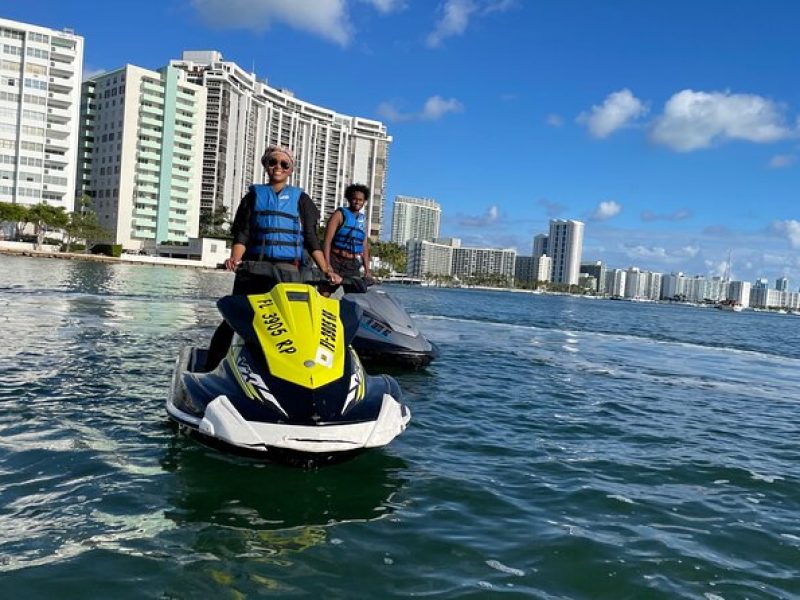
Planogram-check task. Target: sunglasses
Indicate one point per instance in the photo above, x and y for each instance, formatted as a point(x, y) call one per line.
point(285, 165)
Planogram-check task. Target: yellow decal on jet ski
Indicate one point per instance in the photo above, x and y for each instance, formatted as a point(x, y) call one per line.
point(301, 334)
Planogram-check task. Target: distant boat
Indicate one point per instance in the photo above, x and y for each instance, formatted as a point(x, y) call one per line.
point(730, 305)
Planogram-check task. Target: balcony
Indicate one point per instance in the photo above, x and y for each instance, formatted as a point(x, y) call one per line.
point(152, 88)
point(57, 99)
point(148, 170)
point(146, 178)
point(59, 130)
point(179, 127)
point(56, 144)
point(60, 84)
point(58, 115)
point(182, 160)
point(149, 154)
point(60, 69)
point(55, 160)
point(62, 54)
point(155, 112)
point(185, 98)
point(144, 145)
point(150, 121)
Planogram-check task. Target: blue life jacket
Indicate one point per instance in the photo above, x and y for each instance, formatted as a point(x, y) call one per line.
point(352, 232)
point(275, 230)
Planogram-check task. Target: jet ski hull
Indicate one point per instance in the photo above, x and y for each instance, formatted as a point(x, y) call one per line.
point(211, 408)
point(386, 333)
point(387, 353)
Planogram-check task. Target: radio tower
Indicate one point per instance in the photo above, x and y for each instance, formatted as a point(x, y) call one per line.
point(727, 276)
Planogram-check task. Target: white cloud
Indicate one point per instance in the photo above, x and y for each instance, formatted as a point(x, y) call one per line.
point(554, 120)
point(387, 6)
point(694, 120)
point(434, 109)
point(789, 229)
point(492, 216)
point(716, 268)
point(325, 18)
point(780, 161)
point(454, 21)
point(456, 14)
point(389, 111)
point(661, 254)
point(606, 210)
point(644, 252)
point(617, 110)
point(678, 215)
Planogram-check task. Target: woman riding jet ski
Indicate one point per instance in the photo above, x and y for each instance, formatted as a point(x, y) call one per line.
point(290, 387)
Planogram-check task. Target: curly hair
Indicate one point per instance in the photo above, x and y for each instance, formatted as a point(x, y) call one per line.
point(356, 187)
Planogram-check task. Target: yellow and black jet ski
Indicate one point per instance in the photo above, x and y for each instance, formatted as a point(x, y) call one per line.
point(291, 388)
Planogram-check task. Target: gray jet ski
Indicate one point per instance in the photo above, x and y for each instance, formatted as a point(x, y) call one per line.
point(386, 333)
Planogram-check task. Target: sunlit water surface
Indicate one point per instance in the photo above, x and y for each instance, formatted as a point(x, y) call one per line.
point(560, 448)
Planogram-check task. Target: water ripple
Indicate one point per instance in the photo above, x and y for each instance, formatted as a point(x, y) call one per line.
point(559, 449)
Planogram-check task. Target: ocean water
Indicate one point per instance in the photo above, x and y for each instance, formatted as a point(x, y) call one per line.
point(560, 448)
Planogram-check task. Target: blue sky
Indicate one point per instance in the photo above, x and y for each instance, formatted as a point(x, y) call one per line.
point(670, 128)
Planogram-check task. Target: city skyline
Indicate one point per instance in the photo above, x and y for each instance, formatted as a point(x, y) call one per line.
point(658, 130)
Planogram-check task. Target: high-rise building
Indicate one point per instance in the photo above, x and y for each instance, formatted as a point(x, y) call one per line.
point(739, 292)
point(542, 267)
point(142, 154)
point(523, 269)
point(235, 129)
point(673, 286)
point(565, 244)
point(782, 284)
point(635, 283)
point(468, 262)
point(597, 270)
point(540, 245)
point(653, 285)
point(425, 258)
point(763, 297)
point(245, 115)
point(415, 219)
point(40, 91)
point(616, 282)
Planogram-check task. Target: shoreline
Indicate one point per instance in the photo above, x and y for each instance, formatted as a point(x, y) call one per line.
point(138, 260)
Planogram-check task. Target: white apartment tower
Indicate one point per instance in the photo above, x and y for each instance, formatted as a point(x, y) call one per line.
point(142, 148)
point(468, 262)
point(415, 219)
point(739, 292)
point(616, 282)
point(565, 245)
point(426, 258)
point(542, 268)
point(235, 129)
point(40, 90)
point(245, 115)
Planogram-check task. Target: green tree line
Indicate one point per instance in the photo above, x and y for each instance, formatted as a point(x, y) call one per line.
point(391, 254)
point(77, 225)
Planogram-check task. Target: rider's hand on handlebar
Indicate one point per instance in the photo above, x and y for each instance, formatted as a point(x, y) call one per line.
point(334, 278)
point(231, 264)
